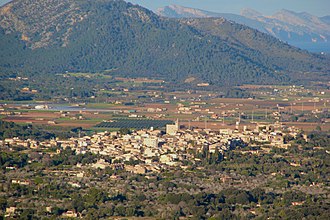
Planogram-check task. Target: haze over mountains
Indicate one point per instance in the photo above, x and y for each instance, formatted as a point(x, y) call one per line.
point(299, 29)
point(55, 36)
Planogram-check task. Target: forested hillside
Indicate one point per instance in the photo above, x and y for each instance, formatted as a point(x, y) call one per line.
point(276, 53)
point(54, 36)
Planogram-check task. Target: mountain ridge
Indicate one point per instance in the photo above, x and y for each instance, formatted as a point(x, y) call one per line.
point(84, 36)
point(288, 26)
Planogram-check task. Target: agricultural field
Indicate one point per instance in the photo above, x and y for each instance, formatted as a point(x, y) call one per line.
point(291, 105)
point(135, 123)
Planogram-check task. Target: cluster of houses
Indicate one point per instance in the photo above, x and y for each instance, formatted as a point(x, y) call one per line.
point(152, 150)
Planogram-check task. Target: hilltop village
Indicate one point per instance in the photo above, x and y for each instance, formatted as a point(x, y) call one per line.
point(156, 150)
point(156, 173)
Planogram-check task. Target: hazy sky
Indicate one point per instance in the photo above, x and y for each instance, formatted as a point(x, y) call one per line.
point(267, 7)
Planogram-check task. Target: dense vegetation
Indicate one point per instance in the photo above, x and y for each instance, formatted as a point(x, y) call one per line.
point(55, 87)
point(10, 130)
point(79, 87)
point(33, 132)
point(251, 41)
point(130, 40)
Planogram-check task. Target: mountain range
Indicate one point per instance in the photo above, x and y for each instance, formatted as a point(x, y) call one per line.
point(56, 36)
point(299, 29)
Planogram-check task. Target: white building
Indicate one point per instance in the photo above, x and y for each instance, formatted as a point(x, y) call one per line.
point(151, 142)
point(173, 129)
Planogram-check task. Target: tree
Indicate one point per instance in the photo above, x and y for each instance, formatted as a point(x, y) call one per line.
point(124, 131)
point(3, 203)
point(78, 203)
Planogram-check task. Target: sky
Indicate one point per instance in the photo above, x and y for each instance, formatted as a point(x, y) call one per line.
point(266, 7)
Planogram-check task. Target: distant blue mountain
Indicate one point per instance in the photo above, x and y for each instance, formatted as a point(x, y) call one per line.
point(326, 19)
point(298, 29)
